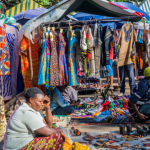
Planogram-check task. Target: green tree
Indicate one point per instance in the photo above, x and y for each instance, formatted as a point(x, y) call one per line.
point(44, 3)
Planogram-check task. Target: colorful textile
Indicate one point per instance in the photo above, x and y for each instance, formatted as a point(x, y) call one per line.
point(25, 66)
point(48, 57)
point(7, 91)
point(12, 39)
point(62, 61)
point(71, 59)
point(42, 68)
point(4, 52)
point(54, 64)
point(53, 142)
point(139, 58)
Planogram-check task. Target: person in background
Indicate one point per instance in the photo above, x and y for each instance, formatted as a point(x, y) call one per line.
point(60, 106)
point(139, 102)
point(64, 100)
point(27, 129)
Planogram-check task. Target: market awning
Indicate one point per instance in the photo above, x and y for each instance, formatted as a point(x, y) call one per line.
point(23, 6)
point(145, 6)
point(60, 10)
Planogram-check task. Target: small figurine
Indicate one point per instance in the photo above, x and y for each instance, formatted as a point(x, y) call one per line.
point(76, 131)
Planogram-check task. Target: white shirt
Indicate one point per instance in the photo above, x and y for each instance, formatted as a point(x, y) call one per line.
point(21, 126)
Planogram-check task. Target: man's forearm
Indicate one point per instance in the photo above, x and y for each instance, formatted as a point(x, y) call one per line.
point(134, 106)
point(49, 117)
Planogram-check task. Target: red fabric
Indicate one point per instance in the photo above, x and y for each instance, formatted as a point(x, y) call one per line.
point(111, 55)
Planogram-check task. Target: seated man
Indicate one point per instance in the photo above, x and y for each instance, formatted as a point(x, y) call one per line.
point(70, 94)
point(58, 105)
point(139, 102)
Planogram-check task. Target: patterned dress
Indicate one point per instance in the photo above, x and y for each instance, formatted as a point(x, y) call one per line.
point(54, 64)
point(42, 69)
point(62, 61)
point(48, 59)
point(71, 59)
point(25, 62)
point(53, 142)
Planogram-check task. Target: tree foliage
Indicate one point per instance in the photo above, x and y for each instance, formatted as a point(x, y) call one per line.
point(44, 3)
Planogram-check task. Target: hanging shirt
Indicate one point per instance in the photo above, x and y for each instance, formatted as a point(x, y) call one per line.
point(126, 38)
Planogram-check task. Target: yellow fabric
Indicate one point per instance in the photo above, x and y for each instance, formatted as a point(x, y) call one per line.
point(67, 145)
point(78, 146)
point(147, 72)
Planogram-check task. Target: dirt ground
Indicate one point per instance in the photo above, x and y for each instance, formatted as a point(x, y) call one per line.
point(100, 128)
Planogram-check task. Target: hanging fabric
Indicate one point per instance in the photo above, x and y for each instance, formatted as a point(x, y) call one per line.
point(126, 38)
point(12, 40)
point(62, 61)
point(54, 64)
point(25, 63)
point(72, 71)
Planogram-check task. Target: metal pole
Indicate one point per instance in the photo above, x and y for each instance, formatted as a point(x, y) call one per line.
point(31, 67)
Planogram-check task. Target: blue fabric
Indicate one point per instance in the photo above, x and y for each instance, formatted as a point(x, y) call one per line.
point(133, 7)
point(130, 73)
point(63, 110)
point(24, 16)
point(110, 68)
point(58, 100)
point(41, 76)
point(140, 91)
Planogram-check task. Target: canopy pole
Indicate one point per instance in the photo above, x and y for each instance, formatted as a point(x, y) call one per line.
point(145, 41)
point(136, 69)
point(31, 66)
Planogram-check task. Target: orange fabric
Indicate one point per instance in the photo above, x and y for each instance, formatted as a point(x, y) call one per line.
point(67, 145)
point(25, 62)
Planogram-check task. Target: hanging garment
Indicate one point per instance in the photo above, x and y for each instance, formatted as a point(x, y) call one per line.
point(126, 38)
point(25, 62)
point(91, 56)
point(139, 58)
point(98, 43)
point(107, 39)
point(7, 90)
point(4, 52)
point(72, 71)
point(83, 46)
point(12, 40)
point(48, 59)
point(88, 54)
point(54, 64)
point(42, 68)
point(140, 36)
point(62, 61)
point(79, 58)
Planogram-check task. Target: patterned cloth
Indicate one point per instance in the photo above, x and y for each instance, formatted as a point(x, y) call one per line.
point(42, 68)
point(139, 48)
point(7, 91)
point(62, 61)
point(25, 65)
point(12, 39)
point(4, 52)
point(48, 59)
point(71, 59)
point(53, 142)
point(54, 64)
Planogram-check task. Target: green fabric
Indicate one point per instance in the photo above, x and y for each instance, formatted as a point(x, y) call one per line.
point(2, 16)
point(60, 115)
point(10, 20)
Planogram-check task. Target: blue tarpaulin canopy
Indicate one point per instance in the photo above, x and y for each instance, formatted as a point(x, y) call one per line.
point(23, 17)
